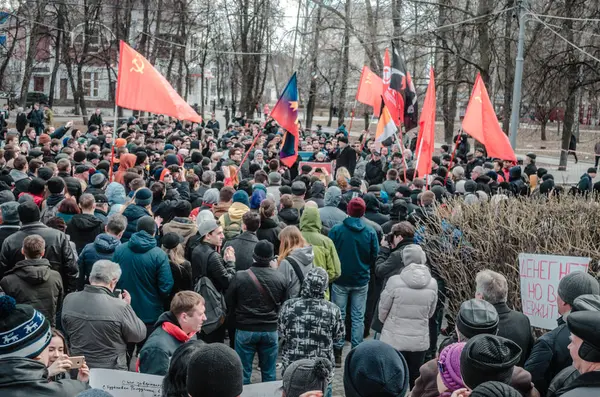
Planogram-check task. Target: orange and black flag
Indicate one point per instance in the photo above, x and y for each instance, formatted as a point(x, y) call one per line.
point(141, 87)
point(285, 112)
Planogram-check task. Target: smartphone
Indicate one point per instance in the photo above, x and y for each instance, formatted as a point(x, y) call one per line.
point(77, 361)
point(117, 293)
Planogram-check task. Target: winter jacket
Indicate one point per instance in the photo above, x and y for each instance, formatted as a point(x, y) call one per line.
point(317, 194)
point(146, 275)
point(269, 230)
point(244, 249)
point(182, 278)
point(95, 119)
point(405, 306)
point(289, 216)
point(208, 262)
point(36, 118)
point(73, 185)
point(304, 257)
point(253, 311)
point(25, 377)
point(331, 216)
point(374, 174)
point(126, 161)
point(390, 187)
point(586, 385)
point(585, 183)
point(309, 325)
point(58, 252)
point(7, 231)
point(236, 211)
point(346, 158)
point(21, 122)
point(183, 227)
point(83, 229)
point(515, 326)
point(426, 384)
point(133, 213)
point(220, 209)
point(549, 356)
point(357, 246)
point(33, 282)
point(99, 326)
point(156, 354)
point(298, 202)
point(103, 247)
point(326, 256)
point(562, 382)
point(373, 210)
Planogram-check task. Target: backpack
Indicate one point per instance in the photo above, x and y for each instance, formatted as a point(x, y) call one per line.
point(214, 303)
point(231, 229)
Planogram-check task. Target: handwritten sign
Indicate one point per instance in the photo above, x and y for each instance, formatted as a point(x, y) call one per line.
point(540, 275)
point(126, 384)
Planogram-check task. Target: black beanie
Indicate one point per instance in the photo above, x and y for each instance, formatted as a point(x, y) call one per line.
point(29, 212)
point(146, 224)
point(494, 389)
point(196, 157)
point(79, 157)
point(215, 371)
point(488, 358)
point(56, 185)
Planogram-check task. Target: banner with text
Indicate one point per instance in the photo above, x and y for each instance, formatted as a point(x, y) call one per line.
point(540, 275)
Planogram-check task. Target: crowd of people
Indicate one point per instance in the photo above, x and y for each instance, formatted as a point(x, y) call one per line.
point(184, 251)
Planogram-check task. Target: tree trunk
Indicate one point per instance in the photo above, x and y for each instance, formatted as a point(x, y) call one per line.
point(28, 69)
point(571, 83)
point(312, 92)
point(543, 125)
point(509, 76)
point(345, 65)
point(9, 54)
point(59, 31)
point(485, 44)
point(81, 94)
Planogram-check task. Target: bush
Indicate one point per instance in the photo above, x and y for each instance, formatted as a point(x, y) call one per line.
point(493, 236)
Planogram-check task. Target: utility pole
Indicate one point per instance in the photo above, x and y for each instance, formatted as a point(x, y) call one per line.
point(516, 100)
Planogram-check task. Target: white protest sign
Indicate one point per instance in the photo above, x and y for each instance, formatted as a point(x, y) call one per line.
point(540, 275)
point(267, 389)
point(126, 384)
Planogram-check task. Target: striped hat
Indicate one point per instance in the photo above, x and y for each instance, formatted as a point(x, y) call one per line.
point(24, 332)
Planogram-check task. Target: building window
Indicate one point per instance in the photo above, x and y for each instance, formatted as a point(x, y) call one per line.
point(38, 83)
point(90, 84)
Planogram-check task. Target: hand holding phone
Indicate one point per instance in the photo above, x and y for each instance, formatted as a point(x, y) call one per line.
point(77, 362)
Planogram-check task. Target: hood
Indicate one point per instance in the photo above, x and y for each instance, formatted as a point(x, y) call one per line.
point(310, 221)
point(221, 207)
point(133, 212)
point(315, 284)
point(85, 222)
point(416, 276)
point(115, 192)
point(247, 236)
point(33, 271)
point(317, 191)
point(267, 223)
point(304, 256)
point(514, 173)
point(354, 224)
point(371, 202)
point(127, 161)
point(166, 317)
point(182, 226)
point(141, 242)
point(333, 196)
point(289, 215)
point(17, 175)
point(237, 210)
point(17, 371)
point(106, 244)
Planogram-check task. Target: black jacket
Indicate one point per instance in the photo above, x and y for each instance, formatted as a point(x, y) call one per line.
point(58, 252)
point(289, 216)
point(83, 229)
point(25, 377)
point(21, 122)
point(269, 230)
point(374, 174)
point(346, 158)
point(253, 310)
point(73, 185)
point(36, 117)
point(95, 119)
point(243, 245)
point(7, 231)
point(515, 326)
point(549, 356)
point(586, 385)
point(208, 262)
point(562, 382)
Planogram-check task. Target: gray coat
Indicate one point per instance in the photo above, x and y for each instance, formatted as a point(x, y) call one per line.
point(304, 257)
point(99, 326)
point(586, 385)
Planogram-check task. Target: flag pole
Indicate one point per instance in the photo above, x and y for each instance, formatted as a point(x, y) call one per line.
point(401, 144)
point(247, 153)
point(452, 157)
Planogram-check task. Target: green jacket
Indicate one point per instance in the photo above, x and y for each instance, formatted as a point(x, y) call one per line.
point(326, 256)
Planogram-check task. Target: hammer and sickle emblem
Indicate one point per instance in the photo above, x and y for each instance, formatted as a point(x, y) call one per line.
point(138, 65)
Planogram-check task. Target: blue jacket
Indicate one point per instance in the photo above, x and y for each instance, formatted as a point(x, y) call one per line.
point(103, 247)
point(357, 247)
point(133, 213)
point(146, 275)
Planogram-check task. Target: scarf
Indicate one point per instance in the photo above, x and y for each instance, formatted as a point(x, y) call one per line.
point(176, 332)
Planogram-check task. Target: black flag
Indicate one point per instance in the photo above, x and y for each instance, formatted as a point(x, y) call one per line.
point(402, 82)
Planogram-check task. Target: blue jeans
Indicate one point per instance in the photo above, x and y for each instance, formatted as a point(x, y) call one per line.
point(248, 343)
point(358, 304)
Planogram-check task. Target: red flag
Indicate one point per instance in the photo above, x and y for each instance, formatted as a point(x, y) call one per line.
point(482, 124)
point(426, 139)
point(141, 87)
point(387, 70)
point(370, 89)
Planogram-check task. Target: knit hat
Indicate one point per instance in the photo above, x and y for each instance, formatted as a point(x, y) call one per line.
point(575, 284)
point(356, 207)
point(120, 142)
point(263, 252)
point(45, 173)
point(10, 213)
point(494, 389)
point(171, 240)
point(215, 371)
point(211, 196)
point(97, 179)
point(306, 375)
point(241, 197)
point(355, 182)
point(413, 254)
point(29, 212)
point(257, 197)
point(55, 185)
point(486, 358)
point(274, 178)
point(475, 317)
point(449, 366)
point(146, 224)
point(207, 226)
point(143, 197)
point(44, 138)
point(6, 196)
point(24, 332)
point(375, 368)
